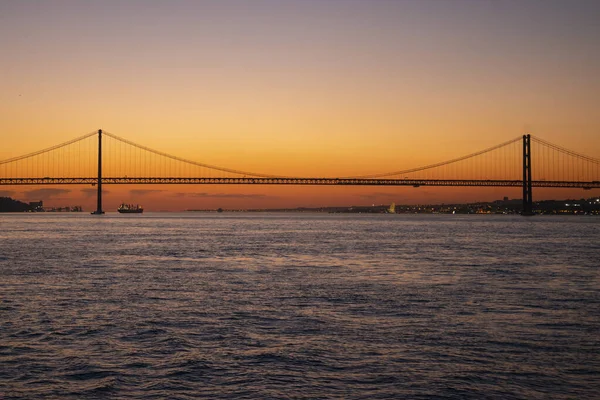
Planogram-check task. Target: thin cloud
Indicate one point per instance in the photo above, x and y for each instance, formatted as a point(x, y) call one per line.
point(225, 195)
point(45, 193)
point(6, 193)
point(143, 192)
point(89, 192)
point(380, 195)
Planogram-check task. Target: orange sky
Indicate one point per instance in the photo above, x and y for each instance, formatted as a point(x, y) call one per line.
point(312, 88)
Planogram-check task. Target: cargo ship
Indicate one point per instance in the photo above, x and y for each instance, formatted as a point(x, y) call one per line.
point(130, 209)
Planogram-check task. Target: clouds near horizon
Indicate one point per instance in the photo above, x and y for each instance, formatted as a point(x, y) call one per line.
point(225, 195)
point(45, 193)
point(7, 193)
point(144, 192)
point(89, 192)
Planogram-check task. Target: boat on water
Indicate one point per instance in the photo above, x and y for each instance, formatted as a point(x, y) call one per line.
point(130, 209)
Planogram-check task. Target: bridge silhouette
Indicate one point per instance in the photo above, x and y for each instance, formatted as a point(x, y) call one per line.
point(99, 158)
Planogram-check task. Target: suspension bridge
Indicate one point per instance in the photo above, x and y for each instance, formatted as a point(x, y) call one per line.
point(104, 158)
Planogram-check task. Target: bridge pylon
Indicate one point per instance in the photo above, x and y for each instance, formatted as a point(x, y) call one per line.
point(99, 182)
point(527, 192)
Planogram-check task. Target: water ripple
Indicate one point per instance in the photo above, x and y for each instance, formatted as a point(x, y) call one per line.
point(299, 306)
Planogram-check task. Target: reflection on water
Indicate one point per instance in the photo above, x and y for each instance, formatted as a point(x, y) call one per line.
point(299, 305)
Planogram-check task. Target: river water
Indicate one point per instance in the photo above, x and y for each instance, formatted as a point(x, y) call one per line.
point(310, 306)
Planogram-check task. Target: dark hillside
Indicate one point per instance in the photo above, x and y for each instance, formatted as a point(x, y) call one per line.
point(10, 205)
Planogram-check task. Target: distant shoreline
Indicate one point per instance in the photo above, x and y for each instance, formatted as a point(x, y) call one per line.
point(590, 206)
point(548, 207)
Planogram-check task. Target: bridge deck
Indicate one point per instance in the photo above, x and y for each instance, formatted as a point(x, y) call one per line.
point(296, 181)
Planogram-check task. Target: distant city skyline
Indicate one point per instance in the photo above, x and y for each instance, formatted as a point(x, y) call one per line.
point(298, 88)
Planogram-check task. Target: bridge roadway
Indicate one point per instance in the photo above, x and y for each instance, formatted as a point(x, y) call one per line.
point(299, 181)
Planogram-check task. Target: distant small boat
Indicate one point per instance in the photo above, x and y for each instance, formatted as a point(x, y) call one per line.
point(130, 209)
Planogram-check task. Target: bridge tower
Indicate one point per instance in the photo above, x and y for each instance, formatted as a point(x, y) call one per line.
point(527, 193)
point(99, 183)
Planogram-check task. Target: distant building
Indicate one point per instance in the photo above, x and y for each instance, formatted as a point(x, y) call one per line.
point(37, 205)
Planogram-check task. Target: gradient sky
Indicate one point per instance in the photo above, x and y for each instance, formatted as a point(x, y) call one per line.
point(298, 88)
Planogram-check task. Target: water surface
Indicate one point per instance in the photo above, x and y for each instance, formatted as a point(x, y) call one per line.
point(299, 306)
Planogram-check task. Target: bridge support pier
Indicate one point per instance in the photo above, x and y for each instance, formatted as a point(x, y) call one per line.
point(99, 183)
point(527, 192)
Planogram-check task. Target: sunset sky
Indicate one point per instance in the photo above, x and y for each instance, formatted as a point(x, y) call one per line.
point(327, 87)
